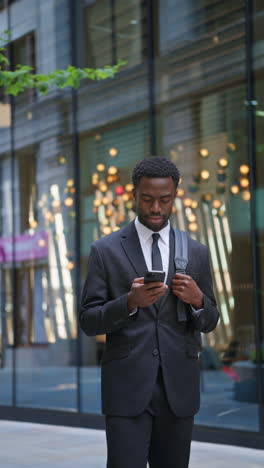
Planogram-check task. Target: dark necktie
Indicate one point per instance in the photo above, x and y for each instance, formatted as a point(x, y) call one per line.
point(156, 255)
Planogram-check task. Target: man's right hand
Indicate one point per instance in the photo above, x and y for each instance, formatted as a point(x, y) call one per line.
point(144, 295)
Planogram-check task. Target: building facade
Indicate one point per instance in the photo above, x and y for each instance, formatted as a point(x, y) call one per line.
point(191, 90)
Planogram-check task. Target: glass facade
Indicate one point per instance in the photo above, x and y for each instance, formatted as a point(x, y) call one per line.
point(191, 90)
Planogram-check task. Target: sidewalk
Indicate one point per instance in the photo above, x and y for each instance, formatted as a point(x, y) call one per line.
point(27, 445)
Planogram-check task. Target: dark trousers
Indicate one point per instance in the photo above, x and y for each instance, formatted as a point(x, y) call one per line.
point(155, 436)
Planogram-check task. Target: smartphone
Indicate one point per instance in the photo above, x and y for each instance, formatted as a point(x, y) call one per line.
point(154, 276)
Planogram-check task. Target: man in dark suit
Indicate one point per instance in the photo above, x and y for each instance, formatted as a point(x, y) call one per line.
point(150, 366)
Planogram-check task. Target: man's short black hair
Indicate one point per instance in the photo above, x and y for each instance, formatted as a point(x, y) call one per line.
point(155, 166)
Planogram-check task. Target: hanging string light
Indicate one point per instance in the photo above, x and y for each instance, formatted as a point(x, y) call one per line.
point(113, 152)
point(100, 167)
point(246, 195)
point(244, 182)
point(204, 153)
point(223, 162)
point(234, 189)
point(244, 169)
point(205, 174)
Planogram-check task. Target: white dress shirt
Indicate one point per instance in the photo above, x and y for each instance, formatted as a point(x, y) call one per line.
point(146, 240)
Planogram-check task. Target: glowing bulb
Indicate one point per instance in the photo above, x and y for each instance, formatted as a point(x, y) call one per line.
point(33, 224)
point(217, 203)
point(244, 169)
point(41, 243)
point(105, 200)
point(49, 216)
point(112, 170)
point(194, 204)
point(70, 265)
point(56, 203)
point(180, 192)
point(223, 162)
point(244, 182)
point(125, 197)
point(70, 183)
point(97, 203)
point(100, 167)
point(191, 218)
point(116, 228)
point(129, 187)
point(204, 152)
point(103, 186)
point(234, 189)
point(246, 195)
point(193, 227)
point(205, 175)
point(68, 201)
point(187, 202)
point(109, 212)
point(113, 152)
point(106, 230)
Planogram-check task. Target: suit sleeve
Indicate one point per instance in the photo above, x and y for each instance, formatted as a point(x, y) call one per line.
point(208, 317)
point(98, 313)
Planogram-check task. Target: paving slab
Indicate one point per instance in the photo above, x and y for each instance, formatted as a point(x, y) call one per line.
point(28, 445)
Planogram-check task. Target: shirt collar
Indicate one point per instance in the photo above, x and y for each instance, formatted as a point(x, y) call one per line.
point(146, 233)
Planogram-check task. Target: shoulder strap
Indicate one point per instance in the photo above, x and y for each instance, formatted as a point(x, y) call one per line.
point(181, 261)
point(181, 250)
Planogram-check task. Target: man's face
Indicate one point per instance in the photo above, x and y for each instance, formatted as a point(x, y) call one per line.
point(154, 199)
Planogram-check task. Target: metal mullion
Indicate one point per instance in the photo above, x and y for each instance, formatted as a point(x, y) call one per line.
point(13, 263)
point(76, 176)
point(151, 77)
point(113, 31)
point(250, 102)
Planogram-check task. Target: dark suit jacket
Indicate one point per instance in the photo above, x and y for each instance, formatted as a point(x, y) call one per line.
point(136, 344)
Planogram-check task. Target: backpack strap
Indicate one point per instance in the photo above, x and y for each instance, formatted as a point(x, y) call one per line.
point(181, 261)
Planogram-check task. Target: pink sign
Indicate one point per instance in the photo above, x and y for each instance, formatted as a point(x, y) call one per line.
point(26, 247)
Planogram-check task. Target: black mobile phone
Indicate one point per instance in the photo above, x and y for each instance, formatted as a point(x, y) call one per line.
point(154, 276)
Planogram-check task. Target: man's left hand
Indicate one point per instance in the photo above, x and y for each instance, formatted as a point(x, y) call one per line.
point(186, 289)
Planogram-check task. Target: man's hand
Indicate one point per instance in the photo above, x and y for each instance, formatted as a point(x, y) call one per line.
point(143, 295)
point(186, 289)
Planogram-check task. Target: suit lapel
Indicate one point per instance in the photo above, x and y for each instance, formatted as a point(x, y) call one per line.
point(132, 247)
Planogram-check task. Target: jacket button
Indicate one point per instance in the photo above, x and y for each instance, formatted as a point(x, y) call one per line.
point(155, 352)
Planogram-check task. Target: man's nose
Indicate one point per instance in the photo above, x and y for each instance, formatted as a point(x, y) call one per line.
point(155, 206)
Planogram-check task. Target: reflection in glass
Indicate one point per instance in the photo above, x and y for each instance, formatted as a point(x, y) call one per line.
point(107, 205)
point(203, 129)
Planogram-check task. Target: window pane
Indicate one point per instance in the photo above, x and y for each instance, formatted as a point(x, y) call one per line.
point(6, 283)
point(115, 30)
point(107, 160)
point(259, 119)
point(203, 129)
